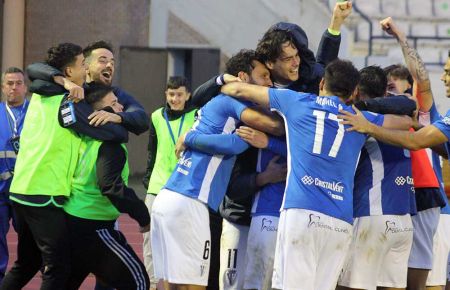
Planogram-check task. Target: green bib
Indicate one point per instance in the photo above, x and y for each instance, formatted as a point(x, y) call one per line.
point(86, 200)
point(48, 152)
point(166, 159)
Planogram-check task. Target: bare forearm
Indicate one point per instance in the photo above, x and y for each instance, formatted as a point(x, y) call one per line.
point(413, 60)
point(399, 138)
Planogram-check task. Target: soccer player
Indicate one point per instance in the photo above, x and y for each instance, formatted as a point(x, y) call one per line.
point(99, 193)
point(181, 256)
point(383, 199)
point(314, 231)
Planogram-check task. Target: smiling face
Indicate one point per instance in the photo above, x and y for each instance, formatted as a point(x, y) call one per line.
point(100, 67)
point(177, 98)
point(284, 69)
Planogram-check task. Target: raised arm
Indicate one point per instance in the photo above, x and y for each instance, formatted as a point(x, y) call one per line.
point(414, 63)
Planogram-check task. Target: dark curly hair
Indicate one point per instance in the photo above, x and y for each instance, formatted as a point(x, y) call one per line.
point(270, 46)
point(373, 82)
point(242, 61)
point(62, 55)
point(87, 51)
point(341, 78)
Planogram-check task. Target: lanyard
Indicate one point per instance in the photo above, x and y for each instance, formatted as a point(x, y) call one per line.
point(13, 117)
point(170, 128)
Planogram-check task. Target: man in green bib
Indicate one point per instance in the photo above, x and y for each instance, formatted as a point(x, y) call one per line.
point(167, 124)
point(42, 179)
point(99, 193)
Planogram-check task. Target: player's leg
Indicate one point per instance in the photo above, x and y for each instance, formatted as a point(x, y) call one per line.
point(261, 246)
point(441, 248)
point(147, 246)
point(421, 257)
point(233, 245)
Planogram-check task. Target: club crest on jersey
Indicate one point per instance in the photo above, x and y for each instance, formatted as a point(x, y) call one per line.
point(446, 121)
point(231, 276)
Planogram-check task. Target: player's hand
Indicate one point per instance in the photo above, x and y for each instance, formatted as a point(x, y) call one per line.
point(76, 93)
point(391, 28)
point(144, 229)
point(340, 12)
point(230, 78)
point(253, 137)
point(357, 121)
point(275, 172)
point(101, 117)
point(180, 146)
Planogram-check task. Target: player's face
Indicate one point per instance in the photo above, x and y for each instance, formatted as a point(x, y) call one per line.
point(110, 100)
point(397, 86)
point(446, 77)
point(101, 66)
point(285, 69)
point(14, 88)
point(177, 98)
point(260, 75)
point(76, 72)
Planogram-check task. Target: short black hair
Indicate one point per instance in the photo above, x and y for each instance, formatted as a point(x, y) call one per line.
point(373, 82)
point(96, 92)
point(399, 71)
point(62, 55)
point(270, 46)
point(176, 82)
point(341, 78)
point(12, 70)
point(242, 61)
point(87, 51)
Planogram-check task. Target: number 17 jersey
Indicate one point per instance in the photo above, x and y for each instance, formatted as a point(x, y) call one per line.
point(322, 156)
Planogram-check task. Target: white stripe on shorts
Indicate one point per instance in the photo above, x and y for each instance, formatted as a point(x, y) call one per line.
point(125, 256)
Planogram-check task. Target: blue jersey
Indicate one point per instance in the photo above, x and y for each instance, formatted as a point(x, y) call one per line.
point(436, 118)
point(268, 200)
point(322, 156)
point(383, 182)
point(201, 175)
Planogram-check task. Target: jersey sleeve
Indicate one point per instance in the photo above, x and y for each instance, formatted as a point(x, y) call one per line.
point(444, 125)
point(282, 100)
point(234, 107)
point(377, 119)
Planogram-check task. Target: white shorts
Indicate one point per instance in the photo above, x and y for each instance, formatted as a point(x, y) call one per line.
point(378, 253)
point(441, 248)
point(147, 245)
point(233, 244)
point(425, 224)
point(262, 240)
point(310, 251)
point(181, 240)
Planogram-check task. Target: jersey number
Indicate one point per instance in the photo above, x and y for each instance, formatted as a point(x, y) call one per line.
point(320, 127)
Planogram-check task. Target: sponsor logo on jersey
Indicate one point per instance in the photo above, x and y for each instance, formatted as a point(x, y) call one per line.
point(400, 180)
point(334, 186)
